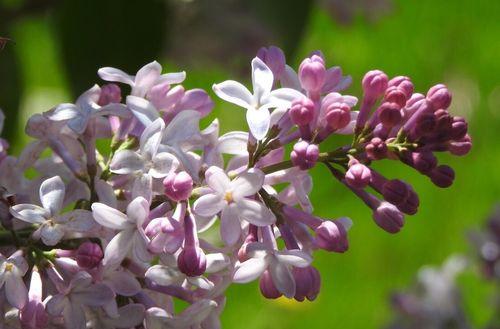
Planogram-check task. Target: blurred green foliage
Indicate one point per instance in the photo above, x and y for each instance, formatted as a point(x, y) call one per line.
point(57, 52)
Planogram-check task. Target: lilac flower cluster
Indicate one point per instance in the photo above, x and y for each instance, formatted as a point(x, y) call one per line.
point(112, 237)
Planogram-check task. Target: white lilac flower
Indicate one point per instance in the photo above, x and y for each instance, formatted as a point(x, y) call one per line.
point(262, 99)
point(131, 236)
point(232, 200)
point(193, 316)
point(279, 263)
point(86, 108)
point(148, 76)
point(71, 301)
point(12, 270)
point(53, 226)
point(147, 163)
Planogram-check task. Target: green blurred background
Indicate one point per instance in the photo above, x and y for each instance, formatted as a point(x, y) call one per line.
point(59, 45)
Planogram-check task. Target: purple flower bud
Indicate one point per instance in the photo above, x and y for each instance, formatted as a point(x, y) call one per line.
point(89, 255)
point(439, 96)
point(337, 116)
point(312, 73)
point(410, 206)
point(110, 93)
point(302, 111)
point(388, 217)
point(376, 149)
point(442, 176)
point(389, 114)
point(460, 147)
point(374, 84)
point(192, 261)
point(304, 155)
point(424, 162)
point(178, 186)
point(395, 191)
point(402, 83)
point(425, 124)
point(458, 128)
point(395, 95)
point(274, 58)
point(332, 236)
point(267, 287)
point(307, 283)
point(358, 175)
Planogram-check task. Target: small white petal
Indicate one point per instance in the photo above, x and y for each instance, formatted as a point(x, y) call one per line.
point(234, 142)
point(115, 75)
point(143, 110)
point(151, 138)
point(29, 213)
point(163, 164)
point(51, 234)
point(283, 97)
point(250, 270)
point(201, 282)
point(64, 111)
point(142, 187)
point(173, 77)
point(282, 278)
point(110, 217)
point(164, 275)
point(123, 283)
point(255, 212)
point(209, 205)
point(234, 92)
point(262, 78)
point(78, 220)
point(15, 290)
point(126, 162)
point(297, 258)
point(140, 247)
point(145, 78)
point(52, 193)
point(258, 122)
point(217, 179)
point(247, 183)
point(118, 248)
point(138, 211)
point(184, 127)
point(230, 226)
point(216, 262)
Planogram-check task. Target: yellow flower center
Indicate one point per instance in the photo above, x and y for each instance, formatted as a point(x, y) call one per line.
point(9, 267)
point(228, 197)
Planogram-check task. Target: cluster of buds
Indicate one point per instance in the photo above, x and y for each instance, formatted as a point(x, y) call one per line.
point(110, 236)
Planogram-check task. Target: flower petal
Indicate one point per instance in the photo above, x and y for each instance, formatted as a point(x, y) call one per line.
point(247, 183)
point(230, 227)
point(217, 262)
point(64, 111)
point(29, 213)
point(143, 110)
point(262, 78)
point(163, 164)
point(118, 248)
point(234, 92)
point(250, 270)
point(217, 179)
point(97, 294)
point(283, 97)
point(164, 275)
point(140, 246)
point(282, 278)
point(185, 126)
point(115, 75)
point(126, 162)
point(151, 138)
point(234, 142)
point(145, 78)
point(142, 187)
point(130, 315)
point(51, 234)
point(290, 79)
point(110, 217)
point(209, 205)
point(297, 258)
point(15, 290)
point(52, 193)
point(138, 211)
point(255, 212)
point(258, 121)
point(173, 77)
point(78, 220)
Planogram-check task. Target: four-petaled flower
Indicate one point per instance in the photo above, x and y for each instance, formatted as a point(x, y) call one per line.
point(262, 99)
point(52, 225)
point(231, 199)
point(12, 271)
